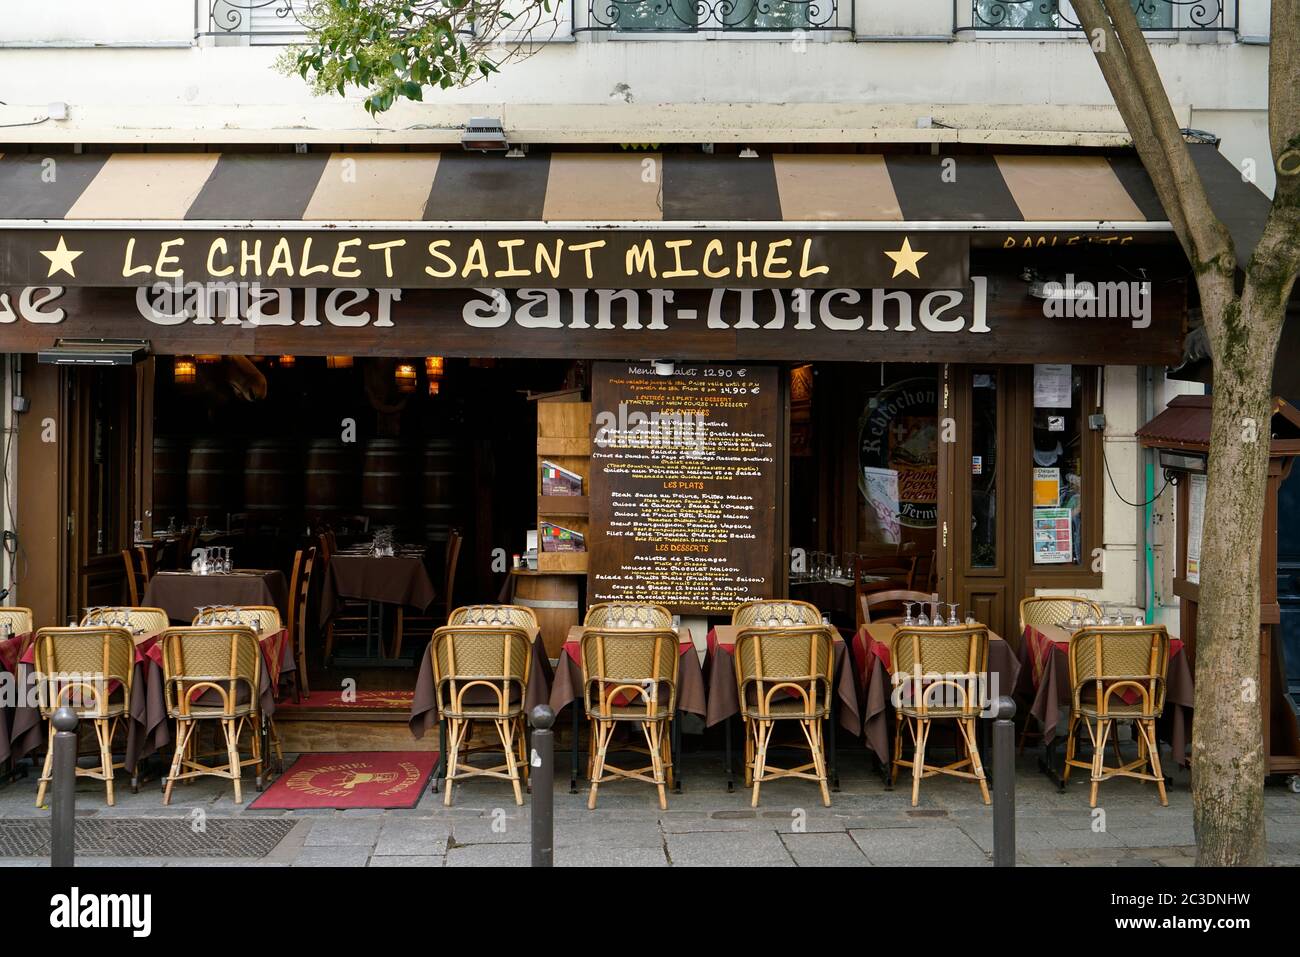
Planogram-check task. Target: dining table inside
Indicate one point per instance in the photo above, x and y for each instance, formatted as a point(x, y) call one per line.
point(382, 582)
point(182, 593)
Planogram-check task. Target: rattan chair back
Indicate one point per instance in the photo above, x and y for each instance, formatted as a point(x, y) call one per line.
point(888, 606)
point(495, 616)
point(494, 658)
point(638, 615)
point(18, 619)
point(949, 667)
point(263, 619)
point(1052, 609)
point(775, 613)
point(138, 619)
point(221, 659)
point(629, 660)
point(1109, 661)
point(84, 668)
point(776, 661)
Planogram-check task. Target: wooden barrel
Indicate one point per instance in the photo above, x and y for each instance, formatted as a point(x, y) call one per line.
point(169, 467)
point(330, 485)
point(212, 486)
point(387, 483)
point(445, 478)
point(554, 600)
point(271, 477)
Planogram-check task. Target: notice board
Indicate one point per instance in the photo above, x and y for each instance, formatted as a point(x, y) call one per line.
point(684, 473)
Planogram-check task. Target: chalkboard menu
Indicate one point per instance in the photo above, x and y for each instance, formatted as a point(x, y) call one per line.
point(683, 485)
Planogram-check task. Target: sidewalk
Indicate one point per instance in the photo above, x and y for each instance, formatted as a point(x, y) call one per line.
point(704, 826)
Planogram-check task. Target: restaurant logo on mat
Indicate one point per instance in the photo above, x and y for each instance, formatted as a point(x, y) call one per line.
point(342, 780)
point(75, 910)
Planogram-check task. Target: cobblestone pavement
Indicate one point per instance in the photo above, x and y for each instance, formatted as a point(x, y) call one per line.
point(705, 825)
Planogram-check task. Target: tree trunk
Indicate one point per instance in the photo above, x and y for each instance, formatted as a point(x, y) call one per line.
point(1228, 761)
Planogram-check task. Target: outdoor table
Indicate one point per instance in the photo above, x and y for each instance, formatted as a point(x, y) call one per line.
point(424, 703)
point(873, 649)
point(1045, 660)
point(567, 690)
point(724, 701)
point(148, 729)
point(11, 650)
point(181, 594)
point(378, 581)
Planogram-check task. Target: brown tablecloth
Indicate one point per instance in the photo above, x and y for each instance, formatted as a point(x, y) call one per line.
point(724, 698)
point(11, 650)
point(180, 594)
point(567, 686)
point(1047, 684)
point(148, 729)
point(424, 706)
point(393, 580)
point(1004, 668)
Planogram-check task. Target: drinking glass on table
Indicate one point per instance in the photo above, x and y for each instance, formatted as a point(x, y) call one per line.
point(952, 613)
point(923, 621)
point(908, 620)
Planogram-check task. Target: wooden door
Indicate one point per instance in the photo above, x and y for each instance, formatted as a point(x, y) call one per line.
point(103, 475)
point(975, 539)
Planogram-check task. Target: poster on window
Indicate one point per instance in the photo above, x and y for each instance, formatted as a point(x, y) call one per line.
point(1047, 488)
point(1052, 386)
point(881, 489)
point(1053, 541)
point(1195, 524)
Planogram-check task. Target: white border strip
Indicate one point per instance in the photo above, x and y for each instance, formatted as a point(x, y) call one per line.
point(727, 225)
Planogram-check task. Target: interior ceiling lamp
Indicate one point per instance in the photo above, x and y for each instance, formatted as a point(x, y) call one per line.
point(485, 134)
point(286, 362)
point(433, 366)
point(405, 377)
point(664, 367)
point(434, 387)
point(338, 362)
point(185, 371)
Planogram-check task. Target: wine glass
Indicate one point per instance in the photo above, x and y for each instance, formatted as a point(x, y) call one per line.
point(952, 613)
point(923, 620)
point(1076, 617)
point(908, 620)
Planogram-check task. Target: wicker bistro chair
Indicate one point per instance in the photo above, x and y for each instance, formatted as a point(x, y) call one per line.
point(90, 670)
point(939, 674)
point(481, 674)
point(629, 676)
point(638, 615)
point(775, 613)
point(784, 674)
point(888, 606)
point(19, 621)
point(1108, 664)
point(1048, 610)
point(494, 616)
point(213, 674)
point(137, 619)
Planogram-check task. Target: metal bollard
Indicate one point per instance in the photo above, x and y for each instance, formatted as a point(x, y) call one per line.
point(542, 777)
point(1004, 784)
point(63, 816)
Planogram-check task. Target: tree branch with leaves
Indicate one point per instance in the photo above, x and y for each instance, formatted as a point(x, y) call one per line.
point(1243, 310)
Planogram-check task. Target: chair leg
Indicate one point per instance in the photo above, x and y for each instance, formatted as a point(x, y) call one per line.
point(329, 643)
point(255, 744)
point(104, 734)
point(232, 754)
point(183, 731)
point(1098, 757)
point(505, 728)
point(1070, 738)
point(455, 728)
point(652, 731)
point(895, 764)
point(666, 748)
point(1148, 731)
point(921, 732)
point(763, 732)
point(812, 732)
point(521, 741)
point(750, 735)
point(603, 731)
point(47, 770)
point(972, 748)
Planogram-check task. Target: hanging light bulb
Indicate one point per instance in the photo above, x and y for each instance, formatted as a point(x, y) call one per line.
point(405, 377)
point(338, 362)
point(185, 371)
point(433, 366)
point(287, 362)
point(434, 386)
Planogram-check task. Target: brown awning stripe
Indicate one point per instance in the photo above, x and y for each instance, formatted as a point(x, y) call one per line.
point(602, 188)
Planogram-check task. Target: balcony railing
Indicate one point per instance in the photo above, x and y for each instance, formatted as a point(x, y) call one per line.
point(630, 17)
point(1179, 16)
point(265, 21)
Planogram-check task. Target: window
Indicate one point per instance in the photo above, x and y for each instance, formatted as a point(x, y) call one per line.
point(1060, 15)
point(1057, 464)
point(688, 16)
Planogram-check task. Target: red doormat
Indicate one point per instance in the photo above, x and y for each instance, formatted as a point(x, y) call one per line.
point(355, 701)
point(373, 779)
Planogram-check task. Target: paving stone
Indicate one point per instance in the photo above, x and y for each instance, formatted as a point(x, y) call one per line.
point(407, 861)
point(824, 850)
point(489, 855)
point(335, 831)
point(602, 856)
point(704, 849)
point(410, 836)
point(336, 855)
point(937, 844)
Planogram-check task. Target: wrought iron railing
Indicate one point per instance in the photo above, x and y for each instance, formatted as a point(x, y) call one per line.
point(1180, 16)
point(270, 19)
point(730, 16)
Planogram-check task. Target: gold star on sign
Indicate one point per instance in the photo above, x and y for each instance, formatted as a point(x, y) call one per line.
point(905, 259)
point(61, 258)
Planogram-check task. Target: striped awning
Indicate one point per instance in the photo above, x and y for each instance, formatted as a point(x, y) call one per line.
point(893, 192)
